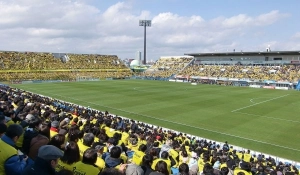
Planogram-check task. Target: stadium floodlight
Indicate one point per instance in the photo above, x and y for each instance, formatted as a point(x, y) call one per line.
point(145, 23)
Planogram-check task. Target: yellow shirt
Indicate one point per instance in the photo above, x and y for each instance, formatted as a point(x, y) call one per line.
point(247, 157)
point(82, 148)
point(223, 165)
point(85, 169)
point(6, 152)
point(125, 137)
point(240, 155)
point(53, 133)
point(19, 142)
point(174, 154)
point(137, 157)
point(201, 164)
point(100, 163)
point(133, 147)
point(10, 122)
point(62, 165)
point(110, 132)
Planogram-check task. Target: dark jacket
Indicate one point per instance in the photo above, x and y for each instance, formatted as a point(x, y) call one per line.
point(29, 134)
point(40, 167)
point(112, 162)
point(147, 169)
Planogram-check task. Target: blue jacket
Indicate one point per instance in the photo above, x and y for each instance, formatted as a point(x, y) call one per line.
point(112, 162)
point(15, 164)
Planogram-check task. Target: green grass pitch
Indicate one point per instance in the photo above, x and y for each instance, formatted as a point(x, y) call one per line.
point(258, 119)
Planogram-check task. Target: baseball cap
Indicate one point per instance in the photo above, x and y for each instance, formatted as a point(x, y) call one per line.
point(29, 117)
point(54, 124)
point(133, 169)
point(49, 152)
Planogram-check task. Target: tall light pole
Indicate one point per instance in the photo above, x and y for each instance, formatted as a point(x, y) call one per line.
point(145, 23)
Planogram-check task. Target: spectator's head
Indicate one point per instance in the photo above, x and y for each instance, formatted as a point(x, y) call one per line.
point(99, 147)
point(45, 130)
point(115, 152)
point(29, 118)
point(162, 167)
point(224, 171)
point(3, 129)
point(58, 140)
point(73, 135)
point(245, 166)
point(133, 169)
point(147, 160)
point(34, 122)
point(153, 152)
point(14, 131)
point(184, 169)
point(208, 169)
point(164, 155)
point(88, 139)
point(184, 153)
point(111, 141)
point(75, 121)
point(71, 154)
point(51, 154)
point(142, 147)
point(55, 124)
point(89, 156)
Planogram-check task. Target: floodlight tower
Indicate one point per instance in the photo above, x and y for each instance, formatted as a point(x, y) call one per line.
point(145, 23)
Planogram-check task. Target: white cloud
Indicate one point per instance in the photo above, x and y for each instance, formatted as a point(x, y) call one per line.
point(243, 20)
point(75, 26)
point(269, 18)
point(297, 35)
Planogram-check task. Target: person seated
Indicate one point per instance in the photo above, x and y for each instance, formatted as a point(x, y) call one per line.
point(113, 159)
point(70, 157)
point(87, 165)
point(46, 161)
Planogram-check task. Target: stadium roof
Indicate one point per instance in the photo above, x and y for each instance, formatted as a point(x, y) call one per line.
point(271, 53)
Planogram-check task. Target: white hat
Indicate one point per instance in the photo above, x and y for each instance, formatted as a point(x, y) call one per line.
point(29, 117)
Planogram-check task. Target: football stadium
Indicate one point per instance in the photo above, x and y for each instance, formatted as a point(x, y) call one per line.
point(233, 111)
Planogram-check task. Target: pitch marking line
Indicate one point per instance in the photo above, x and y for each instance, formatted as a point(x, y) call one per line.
point(275, 118)
point(204, 129)
point(251, 100)
point(259, 103)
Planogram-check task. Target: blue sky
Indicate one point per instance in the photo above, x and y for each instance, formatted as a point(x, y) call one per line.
point(178, 26)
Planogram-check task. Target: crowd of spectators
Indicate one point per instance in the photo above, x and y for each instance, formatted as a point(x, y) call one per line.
point(41, 135)
point(28, 61)
point(288, 73)
point(93, 61)
point(165, 67)
point(18, 66)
